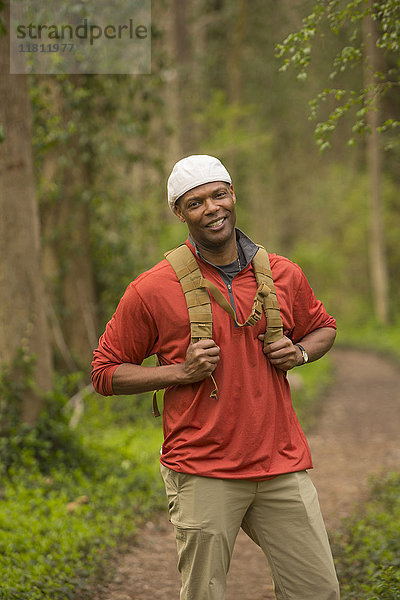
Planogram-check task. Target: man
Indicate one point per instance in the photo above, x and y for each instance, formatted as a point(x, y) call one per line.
point(237, 458)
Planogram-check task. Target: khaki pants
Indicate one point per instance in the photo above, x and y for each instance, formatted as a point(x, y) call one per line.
point(281, 515)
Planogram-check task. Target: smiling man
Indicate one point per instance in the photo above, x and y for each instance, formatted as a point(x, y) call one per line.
point(227, 321)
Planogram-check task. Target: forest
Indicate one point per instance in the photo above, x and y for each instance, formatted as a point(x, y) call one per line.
point(300, 100)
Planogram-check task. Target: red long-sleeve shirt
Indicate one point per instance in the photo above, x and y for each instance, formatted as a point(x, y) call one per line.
point(251, 430)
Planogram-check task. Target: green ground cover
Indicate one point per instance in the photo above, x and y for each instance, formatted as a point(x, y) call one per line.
point(310, 385)
point(372, 336)
point(61, 518)
point(367, 548)
point(68, 498)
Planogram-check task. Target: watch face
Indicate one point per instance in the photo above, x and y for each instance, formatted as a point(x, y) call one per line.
point(303, 353)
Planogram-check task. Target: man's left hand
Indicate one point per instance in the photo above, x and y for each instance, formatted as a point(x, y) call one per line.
point(282, 354)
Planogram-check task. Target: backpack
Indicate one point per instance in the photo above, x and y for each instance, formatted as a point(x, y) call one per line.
point(198, 301)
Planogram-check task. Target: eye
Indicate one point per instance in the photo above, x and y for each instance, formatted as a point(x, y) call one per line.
point(193, 204)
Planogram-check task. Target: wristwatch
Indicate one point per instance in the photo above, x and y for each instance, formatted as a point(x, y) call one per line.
point(303, 353)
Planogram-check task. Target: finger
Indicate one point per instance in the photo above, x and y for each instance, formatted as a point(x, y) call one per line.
point(213, 366)
point(213, 359)
point(283, 343)
point(282, 353)
point(201, 357)
point(204, 358)
point(278, 361)
point(284, 363)
point(211, 351)
point(199, 353)
point(207, 343)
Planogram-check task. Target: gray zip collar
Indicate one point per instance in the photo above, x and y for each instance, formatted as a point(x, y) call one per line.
point(246, 247)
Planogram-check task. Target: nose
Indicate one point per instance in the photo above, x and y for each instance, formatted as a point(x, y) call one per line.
point(210, 205)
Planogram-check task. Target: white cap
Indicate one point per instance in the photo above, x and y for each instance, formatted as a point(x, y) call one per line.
point(192, 171)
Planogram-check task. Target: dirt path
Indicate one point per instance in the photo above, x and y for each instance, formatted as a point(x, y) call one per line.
point(356, 435)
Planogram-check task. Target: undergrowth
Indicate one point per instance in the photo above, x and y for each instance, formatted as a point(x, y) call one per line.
point(367, 549)
point(309, 385)
point(68, 497)
point(373, 337)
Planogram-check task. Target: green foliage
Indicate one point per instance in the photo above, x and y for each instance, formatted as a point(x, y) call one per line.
point(336, 17)
point(102, 144)
point(334, 252)
point(50, 441)
point(95, 154)
point(103, 411)
point(57, 528)
point(386, 584)
point(230, 126)
point(14, 380)
point(62, 516)
point(309, 383)
point(334, 248)
point(367, 550)
point(373, 336)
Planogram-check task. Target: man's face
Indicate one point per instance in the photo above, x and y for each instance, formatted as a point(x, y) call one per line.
point(209, 212)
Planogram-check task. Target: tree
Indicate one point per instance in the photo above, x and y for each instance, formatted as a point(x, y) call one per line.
point(98, 145)
point(64, 152)
point(344, 17)
point(378, 266)
point(22, 306)
point(371, 39)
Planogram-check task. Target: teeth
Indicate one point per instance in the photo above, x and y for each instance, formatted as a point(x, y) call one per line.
point(217, 223)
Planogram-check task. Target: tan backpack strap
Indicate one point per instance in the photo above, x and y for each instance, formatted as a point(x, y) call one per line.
point(256, 312)
point(156, 411)
point(263, 274)
point(197, 299)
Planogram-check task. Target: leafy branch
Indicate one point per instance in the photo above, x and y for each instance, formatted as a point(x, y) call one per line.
point(296, 52)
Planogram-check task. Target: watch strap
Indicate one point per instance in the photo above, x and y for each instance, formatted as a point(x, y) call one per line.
point(303, 353)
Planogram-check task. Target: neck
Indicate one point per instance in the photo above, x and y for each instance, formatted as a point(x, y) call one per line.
point(219, 255)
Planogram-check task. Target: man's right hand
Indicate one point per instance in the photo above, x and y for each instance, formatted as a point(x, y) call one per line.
point(200, 361)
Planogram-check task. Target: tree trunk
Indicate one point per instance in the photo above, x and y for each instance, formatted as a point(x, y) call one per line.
point(235, 68)
point(234, 58)
point(179, 80)
point(78, 292)
point(378, 265)
point(67, 261)
point(23, 322)
point(183, 65)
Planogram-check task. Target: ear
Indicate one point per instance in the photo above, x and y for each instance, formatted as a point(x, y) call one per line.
point(179, 213)
point(233, 193)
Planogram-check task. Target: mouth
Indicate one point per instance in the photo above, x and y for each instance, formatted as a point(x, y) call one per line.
point(216, 225)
